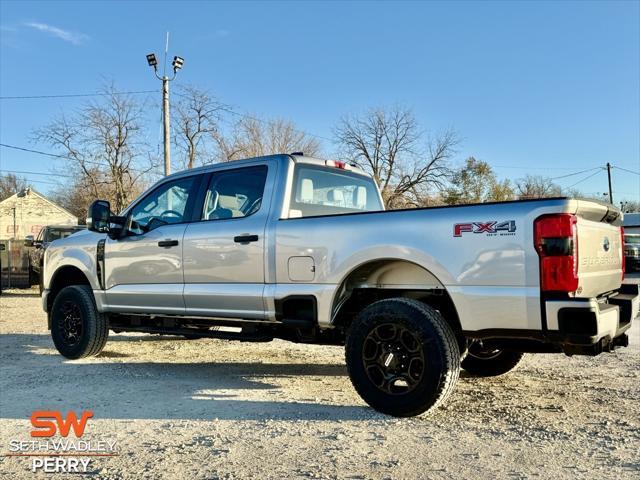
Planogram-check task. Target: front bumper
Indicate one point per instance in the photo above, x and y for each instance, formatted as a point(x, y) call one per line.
point(44, 298)
point(592, 326)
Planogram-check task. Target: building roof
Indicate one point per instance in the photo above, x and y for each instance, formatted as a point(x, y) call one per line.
point(29, 191)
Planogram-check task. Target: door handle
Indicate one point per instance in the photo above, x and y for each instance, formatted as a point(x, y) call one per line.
point(168, 243)
point(245, 239)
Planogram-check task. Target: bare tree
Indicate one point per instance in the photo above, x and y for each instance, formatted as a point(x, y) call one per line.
point(11, 184)
point(104, 147)
point(537, 186)
point(251, 137)
point(196, 122)
point(630, 206)
point(387, 143)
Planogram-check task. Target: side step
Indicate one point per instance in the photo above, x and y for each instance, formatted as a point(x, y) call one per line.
point(196, 333)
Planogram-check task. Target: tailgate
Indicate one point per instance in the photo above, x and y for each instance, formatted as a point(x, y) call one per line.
point(600, 248)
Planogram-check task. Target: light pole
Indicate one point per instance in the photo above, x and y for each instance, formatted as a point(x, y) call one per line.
point(166, 120)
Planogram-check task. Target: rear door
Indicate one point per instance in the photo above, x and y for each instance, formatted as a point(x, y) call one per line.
point(143, 270)
point(224, 271)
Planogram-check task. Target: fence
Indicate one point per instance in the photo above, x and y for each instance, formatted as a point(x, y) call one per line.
point(14, 264)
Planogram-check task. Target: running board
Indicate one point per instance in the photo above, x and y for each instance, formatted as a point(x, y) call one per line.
point(194, 333)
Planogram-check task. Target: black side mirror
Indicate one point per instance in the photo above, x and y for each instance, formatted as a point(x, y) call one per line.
point(99, 219)
point(28, 241)
point(98, 216)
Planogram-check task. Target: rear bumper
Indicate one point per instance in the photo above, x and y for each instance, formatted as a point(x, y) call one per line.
point(590, 326)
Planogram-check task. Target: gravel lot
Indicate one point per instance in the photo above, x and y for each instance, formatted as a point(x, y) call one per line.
point(220, 409)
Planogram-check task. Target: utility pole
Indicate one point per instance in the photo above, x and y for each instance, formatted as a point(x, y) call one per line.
point(14, 223)
point(166, 120)
point(166, 117)
point(609, 176)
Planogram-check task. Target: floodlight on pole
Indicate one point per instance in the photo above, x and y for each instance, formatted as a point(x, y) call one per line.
point(177, 64)
point(151, 60)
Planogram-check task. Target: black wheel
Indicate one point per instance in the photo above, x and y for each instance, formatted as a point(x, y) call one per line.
point(485, 361)
point(32, 276)
point(77, 329)
point(402, 357)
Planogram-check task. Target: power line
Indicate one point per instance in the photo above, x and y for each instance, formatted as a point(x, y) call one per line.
point(64, 157)
point(626, 170)
point(584, 179)
point(14, 147)
point(535, 168)
point(24, 172)
point(576, 173)
point(74, 95)
point(33, 180)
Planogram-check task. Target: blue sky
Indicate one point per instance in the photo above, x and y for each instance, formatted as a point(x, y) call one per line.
point(542, 87)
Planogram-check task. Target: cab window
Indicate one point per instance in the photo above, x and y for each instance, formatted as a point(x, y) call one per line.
point(165, 205)
point(234, 193)
point(323, 191)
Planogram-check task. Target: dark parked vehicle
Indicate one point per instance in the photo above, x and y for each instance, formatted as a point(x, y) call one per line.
point(1, 250)
point(38, 246)
point(632, 252)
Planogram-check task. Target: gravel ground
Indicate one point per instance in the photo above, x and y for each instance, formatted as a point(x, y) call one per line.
point(219, 409)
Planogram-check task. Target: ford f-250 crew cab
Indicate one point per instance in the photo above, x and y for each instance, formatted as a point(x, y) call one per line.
point(298, 248)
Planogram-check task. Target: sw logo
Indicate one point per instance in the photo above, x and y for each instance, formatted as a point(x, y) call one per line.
point(489, 228)
point(44, 426)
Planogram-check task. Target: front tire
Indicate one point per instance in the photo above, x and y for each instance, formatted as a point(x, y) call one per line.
point(487, 362)
point(78, 330)
point(402, 357)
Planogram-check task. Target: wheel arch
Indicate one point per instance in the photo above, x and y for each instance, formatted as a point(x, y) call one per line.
point(64, 277)
point(392, 277)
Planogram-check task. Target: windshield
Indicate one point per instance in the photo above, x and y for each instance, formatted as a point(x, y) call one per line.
point(632, 239)
point(331, 191)
point(58, 233)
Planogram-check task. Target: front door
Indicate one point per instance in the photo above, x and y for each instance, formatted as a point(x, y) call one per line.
point(224, 251)
point(143, 269)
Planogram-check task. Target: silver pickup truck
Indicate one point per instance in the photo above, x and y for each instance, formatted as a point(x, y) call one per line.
point(292, 247)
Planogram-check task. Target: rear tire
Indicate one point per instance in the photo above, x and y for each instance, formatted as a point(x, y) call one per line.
point(485, 362)
point(402, 357)
point(78, 330)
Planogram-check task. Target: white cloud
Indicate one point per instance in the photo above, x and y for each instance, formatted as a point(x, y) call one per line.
point(74, 38)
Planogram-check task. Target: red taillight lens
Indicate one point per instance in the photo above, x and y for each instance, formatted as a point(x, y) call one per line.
point(556, 242)
point(337, 164)
point(624, 260)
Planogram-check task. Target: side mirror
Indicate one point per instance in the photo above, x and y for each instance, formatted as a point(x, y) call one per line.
point(28, 241)
point(98, 216)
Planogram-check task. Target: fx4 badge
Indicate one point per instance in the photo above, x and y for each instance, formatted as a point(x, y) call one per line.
point(488, 228)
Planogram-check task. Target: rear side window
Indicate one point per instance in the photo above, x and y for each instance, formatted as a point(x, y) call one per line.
point(235, 193)
point(326, 191)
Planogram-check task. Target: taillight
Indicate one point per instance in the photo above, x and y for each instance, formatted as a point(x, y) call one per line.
point(556, 241)
point(624, 260)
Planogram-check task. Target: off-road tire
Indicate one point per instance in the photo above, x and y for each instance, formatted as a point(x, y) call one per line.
point(92, 327)
point(491, 366)
point(439, 350)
